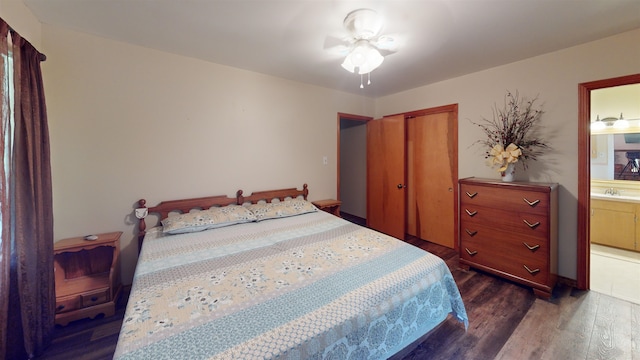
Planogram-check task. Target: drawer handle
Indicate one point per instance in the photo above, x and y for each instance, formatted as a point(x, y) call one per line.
point(531, 203)
point(532, 248)
point(470, 213)
point(470, 194)
point(470, 252)
point(60, 307)
point(531, 271)
point(533, 226)
point(94, 298)
point(471, 233)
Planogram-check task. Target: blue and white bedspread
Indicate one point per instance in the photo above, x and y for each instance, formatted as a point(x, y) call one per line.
point(311, 286)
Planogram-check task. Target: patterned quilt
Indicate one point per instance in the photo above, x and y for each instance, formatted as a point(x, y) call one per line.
point(311, 286)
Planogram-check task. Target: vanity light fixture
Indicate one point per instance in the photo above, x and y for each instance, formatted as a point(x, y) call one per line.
point(621, 123)
point(598, 124)
point(618, 123)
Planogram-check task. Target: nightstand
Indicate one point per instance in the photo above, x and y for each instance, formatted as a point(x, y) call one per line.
point(87, 276)
point(329, 205)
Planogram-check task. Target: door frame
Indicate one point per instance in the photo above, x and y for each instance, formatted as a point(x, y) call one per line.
point(584, 171)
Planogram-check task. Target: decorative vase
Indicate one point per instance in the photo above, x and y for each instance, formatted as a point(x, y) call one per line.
point(508, 174)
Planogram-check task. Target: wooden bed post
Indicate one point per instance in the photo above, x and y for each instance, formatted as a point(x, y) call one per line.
point(239, 197)
point(142, 226)
point(305, 191)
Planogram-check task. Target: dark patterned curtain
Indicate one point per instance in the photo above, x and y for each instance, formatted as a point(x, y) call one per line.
point(31, 305)
point(5, 220)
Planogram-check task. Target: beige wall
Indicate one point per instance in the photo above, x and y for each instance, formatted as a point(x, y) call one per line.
point(20, 18)
point(128, 122)
point(554, 78)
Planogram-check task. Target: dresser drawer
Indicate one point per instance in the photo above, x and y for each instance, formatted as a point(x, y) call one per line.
point(520, 223)
point(500, 198)
point(532, 268)
point(506, 245)
point(95, 297)
point(68, 303)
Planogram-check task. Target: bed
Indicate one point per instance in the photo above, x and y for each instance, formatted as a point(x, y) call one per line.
point(269, 276)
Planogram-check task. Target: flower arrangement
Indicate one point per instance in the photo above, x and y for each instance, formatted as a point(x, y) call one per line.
point(512, 133)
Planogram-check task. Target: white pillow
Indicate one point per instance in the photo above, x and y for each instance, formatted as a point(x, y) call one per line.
point(264, 211)
point(207, 219)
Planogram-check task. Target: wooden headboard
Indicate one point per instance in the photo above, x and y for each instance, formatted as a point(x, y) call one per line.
point(270, 195)
point(186, 205)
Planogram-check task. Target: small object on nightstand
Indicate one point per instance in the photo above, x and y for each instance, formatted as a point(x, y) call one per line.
point(91, 237)
point(329, 205)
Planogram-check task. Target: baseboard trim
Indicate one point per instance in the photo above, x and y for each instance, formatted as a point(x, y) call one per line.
point(568, 282)
point(353, 218)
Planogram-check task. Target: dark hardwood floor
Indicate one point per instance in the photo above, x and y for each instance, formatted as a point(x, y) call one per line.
point(506, 321)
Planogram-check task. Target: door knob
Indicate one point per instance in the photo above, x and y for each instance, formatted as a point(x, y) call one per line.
point(400, 186)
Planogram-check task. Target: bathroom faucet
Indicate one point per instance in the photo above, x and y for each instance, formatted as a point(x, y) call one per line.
point(611, 191)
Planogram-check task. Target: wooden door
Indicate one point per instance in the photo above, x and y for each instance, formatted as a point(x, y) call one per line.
point(386, 175)
point(432, 177)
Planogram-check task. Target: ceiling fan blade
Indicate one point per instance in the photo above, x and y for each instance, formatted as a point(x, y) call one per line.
point(332, 41)
point(339, 50)
point(386, 42)
point(384, 52)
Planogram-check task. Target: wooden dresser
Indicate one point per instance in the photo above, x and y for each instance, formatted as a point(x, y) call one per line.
point(87, 275)
point(511, 230)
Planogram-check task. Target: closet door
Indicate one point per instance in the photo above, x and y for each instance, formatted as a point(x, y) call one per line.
point(431, 176)
point(386, 175)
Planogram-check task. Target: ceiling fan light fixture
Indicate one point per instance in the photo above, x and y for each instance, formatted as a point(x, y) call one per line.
point(359, 55)
point(364, 57)
point(363, 23)
point(373, 60)
point(348, 65)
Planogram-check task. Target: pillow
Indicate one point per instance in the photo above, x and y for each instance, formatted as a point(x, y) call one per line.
point(207, 219)
point(264, 211)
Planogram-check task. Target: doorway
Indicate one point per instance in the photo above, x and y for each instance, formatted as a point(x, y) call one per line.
point(584, 171)
point(352, 166)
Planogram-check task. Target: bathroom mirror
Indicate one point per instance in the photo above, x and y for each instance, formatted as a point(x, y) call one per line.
point(615, 145)
point(615, 156)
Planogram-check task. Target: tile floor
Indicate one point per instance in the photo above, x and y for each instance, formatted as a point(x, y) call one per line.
point(615, 272)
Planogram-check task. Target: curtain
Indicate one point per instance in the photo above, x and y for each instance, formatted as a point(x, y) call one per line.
point(31, 310)
point(5, 224)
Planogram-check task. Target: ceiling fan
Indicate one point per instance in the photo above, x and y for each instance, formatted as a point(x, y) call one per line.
point(364, 42)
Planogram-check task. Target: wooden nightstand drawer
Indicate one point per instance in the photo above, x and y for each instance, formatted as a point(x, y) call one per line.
point(68, 303)
point(95, 297)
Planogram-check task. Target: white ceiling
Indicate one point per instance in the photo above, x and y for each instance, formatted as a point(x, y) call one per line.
point(440, 39)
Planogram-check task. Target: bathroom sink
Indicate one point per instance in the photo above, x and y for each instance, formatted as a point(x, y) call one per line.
point(625, 198)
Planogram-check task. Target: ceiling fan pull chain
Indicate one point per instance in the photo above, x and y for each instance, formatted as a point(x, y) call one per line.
point(361, 86)
point(369, 79)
